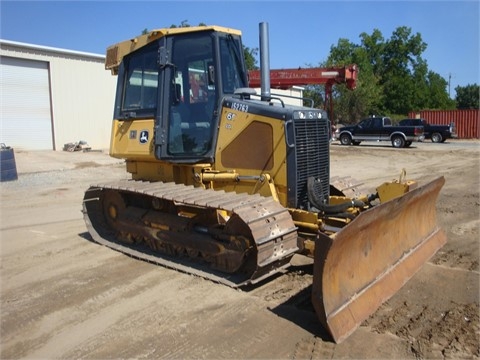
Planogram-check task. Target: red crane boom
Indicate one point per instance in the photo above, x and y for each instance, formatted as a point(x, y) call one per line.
point(286, 78)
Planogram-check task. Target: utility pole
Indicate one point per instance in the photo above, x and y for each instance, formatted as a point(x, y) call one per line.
point(449, 78)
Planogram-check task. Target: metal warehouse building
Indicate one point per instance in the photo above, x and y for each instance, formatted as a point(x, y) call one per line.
point(50, 97)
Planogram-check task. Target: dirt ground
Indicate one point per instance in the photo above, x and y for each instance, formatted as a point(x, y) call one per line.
point(64, 296)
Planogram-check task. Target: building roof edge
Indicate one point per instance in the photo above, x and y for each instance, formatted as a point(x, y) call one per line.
point(51, 49)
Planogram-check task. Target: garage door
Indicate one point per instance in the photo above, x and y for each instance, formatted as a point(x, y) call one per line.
point(26, 120)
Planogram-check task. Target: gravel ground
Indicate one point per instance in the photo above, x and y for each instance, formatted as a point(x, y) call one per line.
point(63, 296)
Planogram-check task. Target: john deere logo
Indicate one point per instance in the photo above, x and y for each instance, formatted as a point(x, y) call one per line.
point(143, 137)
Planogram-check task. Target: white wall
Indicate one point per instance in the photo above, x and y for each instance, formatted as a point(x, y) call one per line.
point(295, 91)
point(82, 92)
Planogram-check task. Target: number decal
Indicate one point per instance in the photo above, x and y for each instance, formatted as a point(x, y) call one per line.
point(239, 107)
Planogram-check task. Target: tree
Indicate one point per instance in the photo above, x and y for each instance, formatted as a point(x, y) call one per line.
point(183, 23)
point(393, 77)
point(373, 46)
point(438, 97)
point(403, 71)
point(350, 106)
point(467, 96)
point(250, 57)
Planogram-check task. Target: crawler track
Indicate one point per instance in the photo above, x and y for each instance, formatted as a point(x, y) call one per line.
point(233, 239)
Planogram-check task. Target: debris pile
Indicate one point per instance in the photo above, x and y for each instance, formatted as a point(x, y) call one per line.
point(78, 146)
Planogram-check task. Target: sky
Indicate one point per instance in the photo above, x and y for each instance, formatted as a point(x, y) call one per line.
point(301, 33)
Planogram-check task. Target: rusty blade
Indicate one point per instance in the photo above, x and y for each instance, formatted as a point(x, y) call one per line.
point(373, 257)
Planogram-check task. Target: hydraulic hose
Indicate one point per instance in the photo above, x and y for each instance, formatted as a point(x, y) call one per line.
point(319, 202)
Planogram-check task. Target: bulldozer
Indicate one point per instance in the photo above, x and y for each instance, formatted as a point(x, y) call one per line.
point(229, 184)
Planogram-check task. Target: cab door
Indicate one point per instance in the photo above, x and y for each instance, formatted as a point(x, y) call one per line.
point(364, 130)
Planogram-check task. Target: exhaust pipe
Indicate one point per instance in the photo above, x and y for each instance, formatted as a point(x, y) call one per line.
point(264, 62)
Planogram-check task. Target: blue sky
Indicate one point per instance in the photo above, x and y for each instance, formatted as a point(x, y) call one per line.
point(301, 32)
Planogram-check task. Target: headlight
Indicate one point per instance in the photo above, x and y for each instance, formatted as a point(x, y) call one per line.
point(307, 114)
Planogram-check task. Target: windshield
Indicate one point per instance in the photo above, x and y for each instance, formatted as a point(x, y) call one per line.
point(233, 75)
point(198, 84)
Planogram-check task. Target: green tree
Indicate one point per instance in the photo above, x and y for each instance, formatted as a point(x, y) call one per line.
point(373, 46)
point(467, 96)
point(315, 93)
point(183, 23)
point(438, 97)
point(402, 65)
point(393, 77)
point(350, 106)
point(250, 55)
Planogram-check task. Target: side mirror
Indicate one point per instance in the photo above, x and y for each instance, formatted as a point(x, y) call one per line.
point(162, 56)
point(211, 75)
point(177, 93)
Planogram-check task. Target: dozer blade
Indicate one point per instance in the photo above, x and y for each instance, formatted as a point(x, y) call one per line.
point(371, 258)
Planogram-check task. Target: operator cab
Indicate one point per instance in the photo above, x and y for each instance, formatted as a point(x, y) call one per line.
point(179, 80)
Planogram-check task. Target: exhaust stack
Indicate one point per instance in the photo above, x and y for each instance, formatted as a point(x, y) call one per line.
point(264, 62)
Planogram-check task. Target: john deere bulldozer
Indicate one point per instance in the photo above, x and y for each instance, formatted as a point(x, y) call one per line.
point(229, 185)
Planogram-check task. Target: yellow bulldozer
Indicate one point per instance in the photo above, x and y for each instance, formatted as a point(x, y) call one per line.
point(229, 184)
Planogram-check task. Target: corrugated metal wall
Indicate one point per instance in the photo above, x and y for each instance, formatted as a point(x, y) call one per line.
point(467, 122)
point(83, 99)
point(82, 93)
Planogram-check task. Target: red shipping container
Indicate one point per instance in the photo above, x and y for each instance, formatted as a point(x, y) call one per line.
point(467, 122)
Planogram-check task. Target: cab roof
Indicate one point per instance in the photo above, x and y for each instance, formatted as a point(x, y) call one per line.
point(116, 52)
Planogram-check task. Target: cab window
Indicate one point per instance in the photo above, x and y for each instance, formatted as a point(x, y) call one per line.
point(233, 76)
point(141, 83)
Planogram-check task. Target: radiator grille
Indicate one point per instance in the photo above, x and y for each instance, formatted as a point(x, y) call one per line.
point(312, 158)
